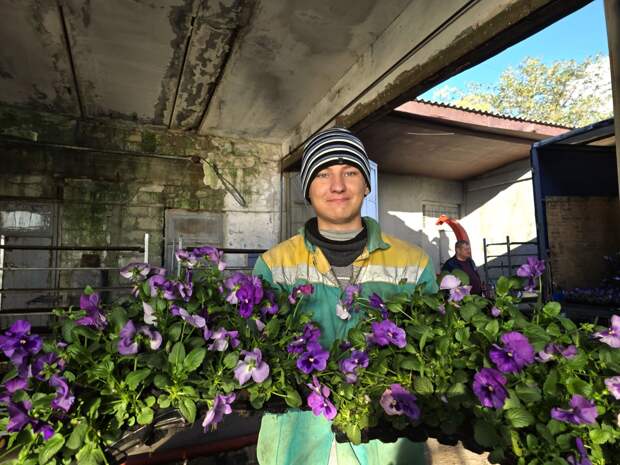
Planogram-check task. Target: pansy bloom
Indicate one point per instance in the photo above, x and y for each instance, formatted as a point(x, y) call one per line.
point(489, 388)
point(582, 411)
point(611, 336)
point(396, 400)
point(516, 353)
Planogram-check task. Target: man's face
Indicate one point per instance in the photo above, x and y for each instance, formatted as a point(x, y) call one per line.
point(336, 194)
point(464, 251)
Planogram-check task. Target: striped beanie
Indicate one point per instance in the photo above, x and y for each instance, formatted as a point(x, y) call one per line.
point(330, 147)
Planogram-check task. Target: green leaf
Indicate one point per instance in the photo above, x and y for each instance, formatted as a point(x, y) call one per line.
point(86, 332)
point(552, 309)
point(468, 311)
point(187, 407)
point(273, 328)
point(485, 433)
point(456, 391)
point(161, 381)
point(356, 337)
point(354, 434)
point(528, 393)
point(118, 318)
point(579, 386)
point(600, 436)
point(502, 286)
point(174, 332)
point(519, 417)
point(532, 442)
point(134, 378)
point(293, 399)
point(231, 359)
point(77, 436)
point(422, 385)
point(550, 386)
point(464, 277)
point(411, 363)
point(492, 328)
point(67, 330)
point(194, 359)
point(52, 446)
point(146, 416)
point(177, 355)
point(516, 443)
point(462, 334)
point(556, 427)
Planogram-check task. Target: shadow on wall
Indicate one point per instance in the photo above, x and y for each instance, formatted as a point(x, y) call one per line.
point(436, 248)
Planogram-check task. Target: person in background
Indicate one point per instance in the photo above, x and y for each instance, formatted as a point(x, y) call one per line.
point(334, 251)
point(462, 261)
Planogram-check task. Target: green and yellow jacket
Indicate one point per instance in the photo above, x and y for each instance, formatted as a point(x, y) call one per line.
point(387, 266)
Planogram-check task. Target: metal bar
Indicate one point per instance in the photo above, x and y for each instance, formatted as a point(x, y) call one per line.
point(57, 268)
point(69, 247)
point(67, 41)
point(513, 243)
point(509, 257)
point(62, 289)
point(1, 266)
point(146, 247)
point(514, 255)
point(486, 271)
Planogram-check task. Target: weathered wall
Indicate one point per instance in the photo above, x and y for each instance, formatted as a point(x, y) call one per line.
point(581, 230)
point(111, 199)
point(401, 200)
point(499, 204)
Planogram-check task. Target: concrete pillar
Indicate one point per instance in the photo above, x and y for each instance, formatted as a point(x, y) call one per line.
point(612, 16)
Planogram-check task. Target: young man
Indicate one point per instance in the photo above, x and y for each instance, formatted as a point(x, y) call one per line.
point(337, 248)
point(462, 261)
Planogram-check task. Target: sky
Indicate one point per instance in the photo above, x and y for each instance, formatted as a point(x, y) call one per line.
point(574, 37)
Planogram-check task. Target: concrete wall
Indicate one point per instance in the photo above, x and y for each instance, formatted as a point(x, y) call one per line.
point(499, 204)
point(401, 201)
point(581, 231)
point(110, 198)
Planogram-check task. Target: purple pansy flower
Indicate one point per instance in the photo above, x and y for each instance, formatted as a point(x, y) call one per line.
point(149, 316)
point(516, 353)
point(489, 388)
point(129, 335)
point(495, 312)
point(318, 400)
point(531, 270)
point(349, 366)
point(11, 387)
point(551, 350)
point(135, 271)
point(613, 386)
point(310, 334)
point(300, 291)
point(17, 343)
point(611, 336)
point(18, 416)
point(584, 459)
point(232, 284)
point(269, 307)
point(221, 406)
point(94, 316)
point(583, 411)
point(43, 361)
point(64, 399)
point(186, 258)
point(222, 339)
point(186, 288)
point(252, 366)
point(453, 284)
point(396, 400)
point(196, 321)
point(347, 303)
point(376, 301)
point(315, 358)
point(386, 332)
point(213, 255)
point(159, 285)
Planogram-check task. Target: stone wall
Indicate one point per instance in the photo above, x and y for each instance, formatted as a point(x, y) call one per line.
point(581, 230)
point(121, 187)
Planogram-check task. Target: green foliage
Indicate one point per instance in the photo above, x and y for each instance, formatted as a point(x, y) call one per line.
point(566, 92)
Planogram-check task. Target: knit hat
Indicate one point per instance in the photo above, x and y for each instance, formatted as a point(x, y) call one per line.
point(330, 147)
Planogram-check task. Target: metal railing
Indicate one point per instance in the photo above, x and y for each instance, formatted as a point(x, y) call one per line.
point(509, 255)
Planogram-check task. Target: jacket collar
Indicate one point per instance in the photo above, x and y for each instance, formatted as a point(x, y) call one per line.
point(375, 239)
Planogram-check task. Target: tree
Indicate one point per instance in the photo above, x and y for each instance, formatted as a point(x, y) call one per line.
point(566, 92)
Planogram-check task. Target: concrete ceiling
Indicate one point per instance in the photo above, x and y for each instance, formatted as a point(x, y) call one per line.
point(271, 70)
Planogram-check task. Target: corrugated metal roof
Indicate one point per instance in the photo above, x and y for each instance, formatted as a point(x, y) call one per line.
point(489, 113)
